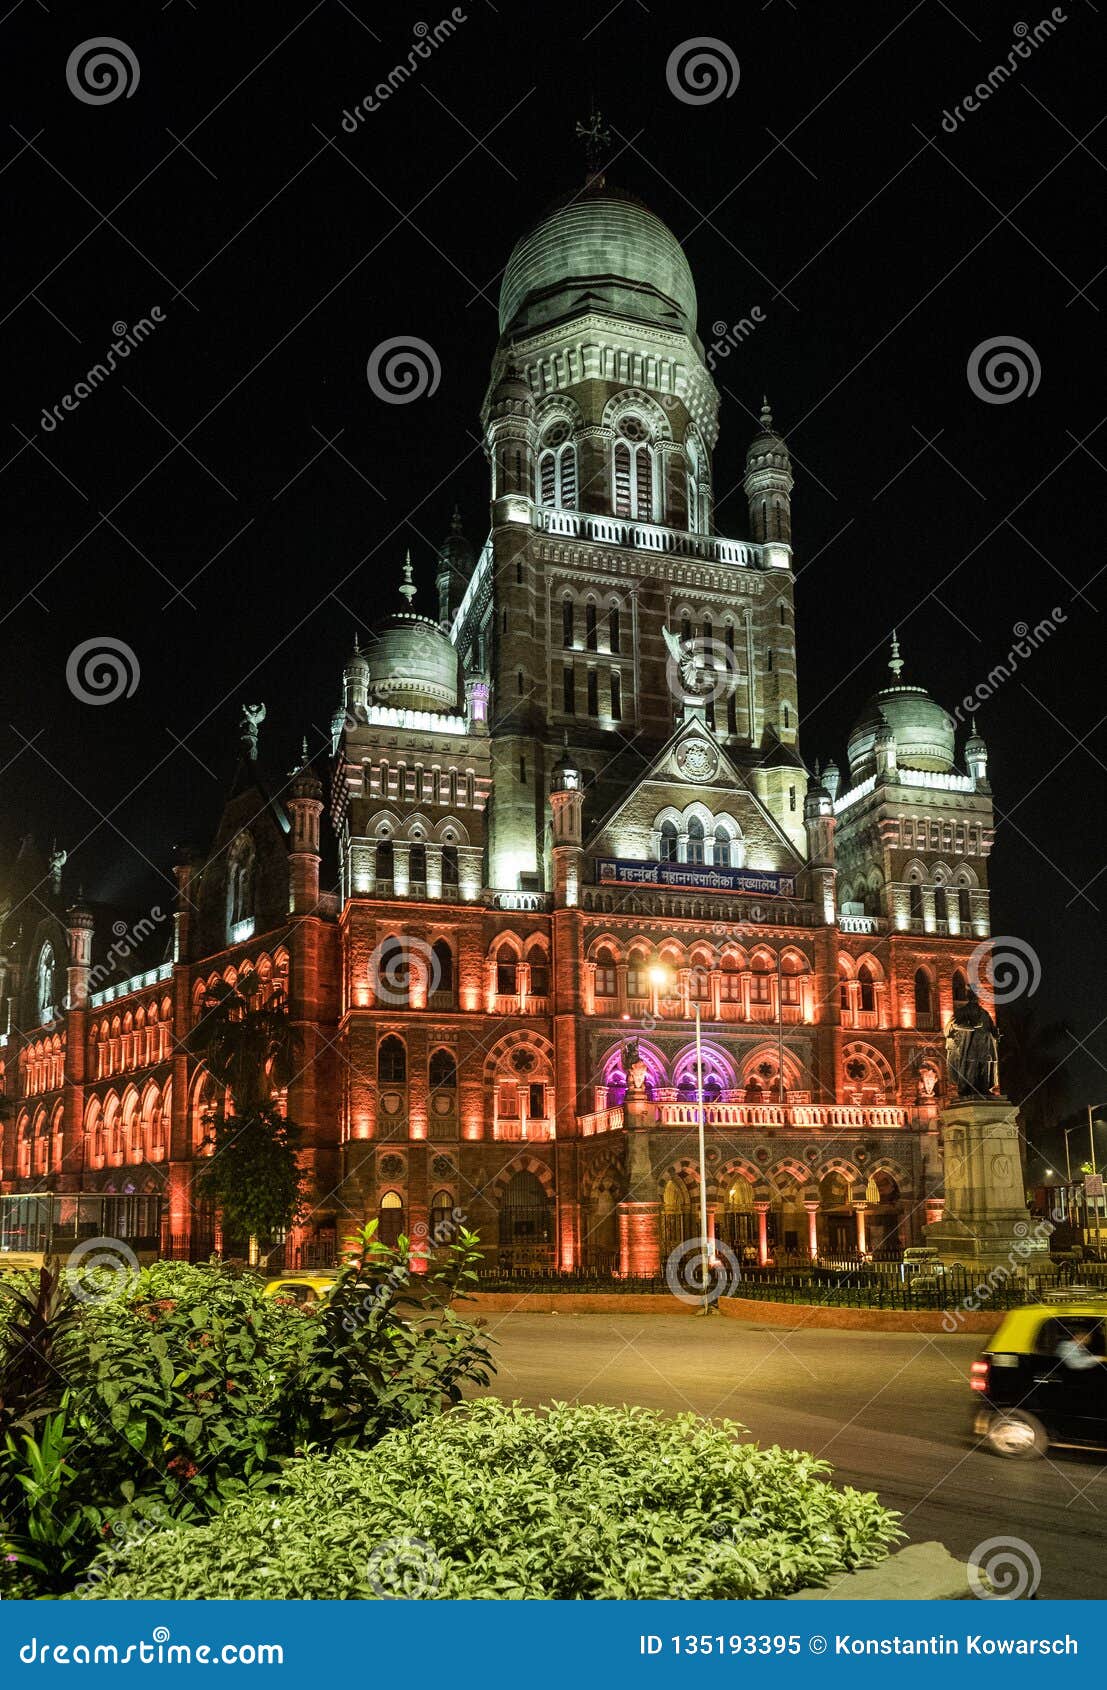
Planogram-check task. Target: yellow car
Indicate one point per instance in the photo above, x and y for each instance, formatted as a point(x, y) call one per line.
point(307, 1289)
point(1043, 1378)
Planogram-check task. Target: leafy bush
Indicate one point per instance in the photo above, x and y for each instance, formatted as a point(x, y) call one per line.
point(187, 1386)
point(496, 1501)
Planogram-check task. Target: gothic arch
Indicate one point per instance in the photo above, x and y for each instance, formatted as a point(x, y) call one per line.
point(632, 401)
point(859, 1050)
point(501, 1052)
point(521, 1164)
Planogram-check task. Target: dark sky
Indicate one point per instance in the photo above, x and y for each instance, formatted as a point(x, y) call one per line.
point(234, 500)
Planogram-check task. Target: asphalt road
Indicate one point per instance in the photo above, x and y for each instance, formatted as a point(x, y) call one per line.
point(891, 1412)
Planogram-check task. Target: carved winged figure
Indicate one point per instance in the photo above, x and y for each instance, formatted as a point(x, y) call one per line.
point(684, 660)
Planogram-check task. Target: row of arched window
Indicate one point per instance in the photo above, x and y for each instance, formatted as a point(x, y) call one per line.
point(636, 469)
point(137, 1039)
point(42, 1066)
point(392, 1066)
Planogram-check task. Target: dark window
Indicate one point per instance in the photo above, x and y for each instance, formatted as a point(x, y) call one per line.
point(590, 626)
point(868, 987)
point(964, 905)
point(593, 693)
point(384, 860)
point(613, 628)
point(616, 699)
point(442, 979)
point(731, 714)
point(720, 852)
point(506, 974)
point(960, 986)
point(449, 865)
point(417, 863)
point(519, 682)
point(536, 1102)
point(605, 975)
point(622, 479)
point(539, 975)
point(668, 842)
point(769, 661)
point(730, 636)
point(941, 904)
point(922, 993)
point(685, 628)
point(443, 1071)
point(783, 617)
point(522, 771)
point(567, 622)
point(915, 900)
point(791, 797)
point(569, 692)
point(391, 1061)
point(519, 572)
point(390, 1219)
point(695, 840)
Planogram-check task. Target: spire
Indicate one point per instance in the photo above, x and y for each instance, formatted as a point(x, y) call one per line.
point(895, 662)
point(408, 588)
point(455, 523)
point(766, 414)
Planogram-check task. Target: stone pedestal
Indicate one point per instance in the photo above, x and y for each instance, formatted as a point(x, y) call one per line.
point(985, 1217)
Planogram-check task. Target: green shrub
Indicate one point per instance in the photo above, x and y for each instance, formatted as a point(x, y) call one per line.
point(496, 1501)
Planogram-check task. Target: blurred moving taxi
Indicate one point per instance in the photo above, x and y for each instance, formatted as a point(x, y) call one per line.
point(1043, 1378)
point(307, 1289)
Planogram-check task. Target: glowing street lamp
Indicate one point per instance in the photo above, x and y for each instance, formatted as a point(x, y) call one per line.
point(661, 976)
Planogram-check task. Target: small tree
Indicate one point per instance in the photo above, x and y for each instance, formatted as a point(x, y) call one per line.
point(254, 1176)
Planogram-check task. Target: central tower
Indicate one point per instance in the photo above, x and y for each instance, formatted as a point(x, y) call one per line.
point(600, 423)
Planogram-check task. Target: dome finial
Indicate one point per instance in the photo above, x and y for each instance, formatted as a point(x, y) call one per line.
point(408, 588)
point(895, 662)
point(455, 521)
point(596, 140)
point(766, 414)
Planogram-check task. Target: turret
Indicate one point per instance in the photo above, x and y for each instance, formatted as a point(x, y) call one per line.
point(567, 805)
point(456, 561)
point(884, 750)
point(976, 758)
point(819, 824)
point(768, 483)
point(305, 806)
point(832, 779)
point(511, 440)
point(355, 685)
point(79, 922)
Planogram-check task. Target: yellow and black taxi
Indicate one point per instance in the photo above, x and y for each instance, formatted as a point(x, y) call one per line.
point(1043, 1378)
point(306, 1289)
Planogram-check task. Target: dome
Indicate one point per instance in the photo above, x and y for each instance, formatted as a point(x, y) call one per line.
point(601, 250)
point(412, 664)
point(925, 736)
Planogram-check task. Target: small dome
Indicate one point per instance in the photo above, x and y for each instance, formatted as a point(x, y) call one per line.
point(924, 734)
point(565, 776)
point(767, 449)
point(601, 250)
point(412, 664)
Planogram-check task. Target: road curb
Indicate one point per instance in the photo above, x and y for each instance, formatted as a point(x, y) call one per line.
point(753, 1311)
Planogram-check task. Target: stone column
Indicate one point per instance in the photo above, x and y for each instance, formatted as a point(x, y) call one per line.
point(812, 1230)
point(985, 1218)
point(639, 1234)
point(762, 1233)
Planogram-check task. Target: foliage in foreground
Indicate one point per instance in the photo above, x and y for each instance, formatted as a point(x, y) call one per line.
point(185, 1387)
point(497, 1501)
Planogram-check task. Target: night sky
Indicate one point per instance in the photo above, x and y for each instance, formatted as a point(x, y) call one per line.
point(234, 501)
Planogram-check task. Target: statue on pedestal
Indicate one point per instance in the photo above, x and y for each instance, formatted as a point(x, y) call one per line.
point(972, 1045)
point(633, 1067)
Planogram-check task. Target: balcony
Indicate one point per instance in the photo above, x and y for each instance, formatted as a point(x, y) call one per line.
point(648, 537)
point(511, 1130)
point(826, 1117)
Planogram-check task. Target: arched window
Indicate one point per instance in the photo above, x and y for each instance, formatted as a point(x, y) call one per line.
point(590, 636)
point(557, 469)
point(613, 630)
point(915, 900)
point(868, 987)
point(539, 973)
point(567, 623)
point(606, 984)
point(632, 466)
point(507, 973)
point(390, 1218)
point(391, 1061)
point(695, 840)
point(923, 996)
point(720, 851)
point(843, 987)
point(941, 904)
point(449, 866)
point(384, 861)
point(442, 967)
point(960, 986)
point(441, 1218)
point(417, 864)
point(443, 1071)
point(668, 842)
point(964, 907)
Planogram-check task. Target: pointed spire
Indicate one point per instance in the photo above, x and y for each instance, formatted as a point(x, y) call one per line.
point(357, 644)
point(455, 522)
point(895, 662)
point(597, 139)
point(766, 414)
point(408, 588)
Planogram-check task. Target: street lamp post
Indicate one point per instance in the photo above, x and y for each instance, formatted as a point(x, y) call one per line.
point(1091, 1109)
point(659, 977)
